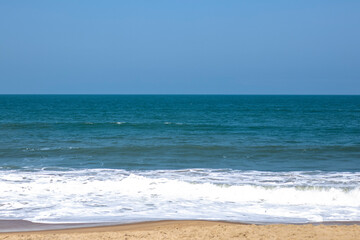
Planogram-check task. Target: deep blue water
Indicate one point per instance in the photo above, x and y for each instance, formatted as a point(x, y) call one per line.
point(147, 132)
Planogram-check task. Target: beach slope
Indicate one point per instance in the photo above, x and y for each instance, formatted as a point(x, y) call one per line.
point(195, 230)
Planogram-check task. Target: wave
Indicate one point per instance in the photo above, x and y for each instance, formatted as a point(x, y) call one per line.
point(223, 194)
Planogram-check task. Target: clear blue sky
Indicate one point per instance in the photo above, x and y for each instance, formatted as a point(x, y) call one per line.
point(181, 47)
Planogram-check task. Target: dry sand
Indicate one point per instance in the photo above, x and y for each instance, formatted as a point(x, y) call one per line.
point(196, 230)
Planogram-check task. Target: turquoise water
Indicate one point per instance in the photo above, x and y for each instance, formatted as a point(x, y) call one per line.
point(274, 133)
point(132, 150)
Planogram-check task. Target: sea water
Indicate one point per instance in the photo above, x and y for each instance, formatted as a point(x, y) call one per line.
point(126, 158)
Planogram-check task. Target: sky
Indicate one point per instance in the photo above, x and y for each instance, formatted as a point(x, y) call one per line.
point(179, 47)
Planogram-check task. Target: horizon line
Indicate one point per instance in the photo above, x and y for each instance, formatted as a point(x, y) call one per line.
point(183, 94)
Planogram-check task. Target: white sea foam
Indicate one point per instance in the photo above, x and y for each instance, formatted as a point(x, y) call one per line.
point(119, 195)
point(171, 123)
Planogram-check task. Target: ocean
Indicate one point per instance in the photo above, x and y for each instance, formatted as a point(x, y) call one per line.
point(131, 158)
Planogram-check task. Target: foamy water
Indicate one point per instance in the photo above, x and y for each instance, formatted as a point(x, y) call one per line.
point(121, 196)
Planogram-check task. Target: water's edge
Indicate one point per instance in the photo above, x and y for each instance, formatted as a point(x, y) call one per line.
point(13, 226)
point(28, 226)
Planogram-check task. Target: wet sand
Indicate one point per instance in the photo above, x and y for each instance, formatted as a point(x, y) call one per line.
point(195, 230)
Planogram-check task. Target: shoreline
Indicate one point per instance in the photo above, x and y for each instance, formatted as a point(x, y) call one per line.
point(195, 229)
point(25, 226)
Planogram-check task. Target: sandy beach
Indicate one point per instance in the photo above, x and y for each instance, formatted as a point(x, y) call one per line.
point(196, 230)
